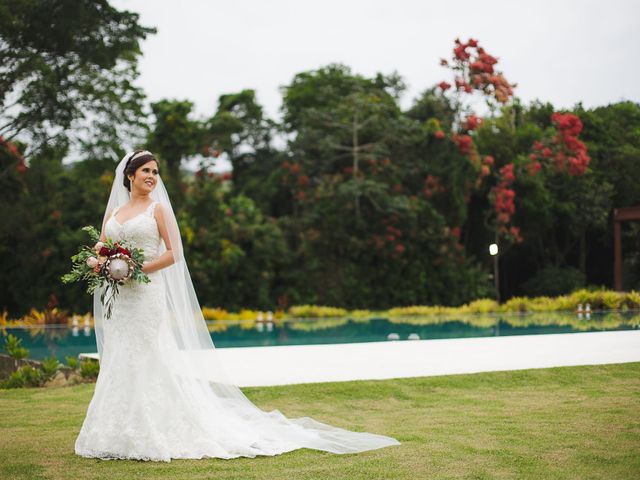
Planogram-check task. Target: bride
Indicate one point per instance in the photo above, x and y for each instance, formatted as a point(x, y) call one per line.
point(162, 392)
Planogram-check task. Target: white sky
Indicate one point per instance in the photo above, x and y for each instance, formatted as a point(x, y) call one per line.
point(559, 51)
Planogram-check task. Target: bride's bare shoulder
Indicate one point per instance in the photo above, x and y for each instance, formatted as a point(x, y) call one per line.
point(159, 213)
point(158, 210)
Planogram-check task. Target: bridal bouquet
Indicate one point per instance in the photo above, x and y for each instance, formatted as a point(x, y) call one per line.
point(109, 263)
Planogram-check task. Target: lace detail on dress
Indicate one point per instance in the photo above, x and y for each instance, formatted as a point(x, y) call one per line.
point(140, 231)
point(129, 393)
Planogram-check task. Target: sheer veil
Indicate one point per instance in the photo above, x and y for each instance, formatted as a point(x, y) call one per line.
point(192, 358)
point(189, 329)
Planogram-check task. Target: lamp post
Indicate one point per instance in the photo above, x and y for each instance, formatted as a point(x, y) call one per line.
point(493, 251)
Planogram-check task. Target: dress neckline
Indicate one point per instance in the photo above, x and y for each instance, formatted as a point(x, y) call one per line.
point(113, 215)
point(126, 221)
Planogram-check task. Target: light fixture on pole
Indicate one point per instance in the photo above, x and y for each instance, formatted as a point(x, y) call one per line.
point(493, 251)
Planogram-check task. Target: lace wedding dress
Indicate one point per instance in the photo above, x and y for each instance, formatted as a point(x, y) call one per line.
point(145, 407)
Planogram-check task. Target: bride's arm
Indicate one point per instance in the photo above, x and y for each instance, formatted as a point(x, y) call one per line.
point(103, 236)
point(166, 258)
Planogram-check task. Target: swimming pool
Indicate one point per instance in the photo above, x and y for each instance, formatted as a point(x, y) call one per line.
point(62, 341)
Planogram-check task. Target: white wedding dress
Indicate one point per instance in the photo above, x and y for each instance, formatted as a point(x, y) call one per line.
point(145, 407)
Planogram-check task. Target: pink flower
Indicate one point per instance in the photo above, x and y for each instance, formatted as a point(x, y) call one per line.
point(92, 262)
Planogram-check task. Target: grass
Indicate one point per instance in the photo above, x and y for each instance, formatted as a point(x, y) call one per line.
point(558, 423)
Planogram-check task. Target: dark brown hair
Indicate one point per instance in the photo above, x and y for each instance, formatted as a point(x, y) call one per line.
point(133, 165)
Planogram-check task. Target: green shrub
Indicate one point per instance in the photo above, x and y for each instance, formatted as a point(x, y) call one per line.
point(89, 368)
point(632, 299)
point(15, 380)
point(72, 362)
point(360, 314)
point(517, 304)
point(546, 304)
point(50, 367)
point(554, 281)
point(601, 299)
point(596, 298)
point(13, 346)
point(415, 310)
point(564, 302)
point(25, 376)
point(612, 300)
point(316, 311)
point(482, 305)
point(584, 297)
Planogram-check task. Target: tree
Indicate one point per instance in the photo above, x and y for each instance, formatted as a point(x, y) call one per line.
point(66, 69)
point(364, 224)
point(174, 137)
point(235, 253)
point(240, 130)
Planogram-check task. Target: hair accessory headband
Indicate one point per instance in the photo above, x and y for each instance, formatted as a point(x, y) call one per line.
point(136, 155)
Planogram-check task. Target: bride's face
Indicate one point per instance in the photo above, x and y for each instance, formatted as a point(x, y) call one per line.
point(145, 178)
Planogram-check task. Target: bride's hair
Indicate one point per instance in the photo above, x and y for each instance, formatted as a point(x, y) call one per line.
point(136, 160)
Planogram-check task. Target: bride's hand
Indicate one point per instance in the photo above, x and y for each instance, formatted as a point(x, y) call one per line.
point(158, 263)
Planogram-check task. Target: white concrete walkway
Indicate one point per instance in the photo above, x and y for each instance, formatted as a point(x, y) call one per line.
point(262, 366)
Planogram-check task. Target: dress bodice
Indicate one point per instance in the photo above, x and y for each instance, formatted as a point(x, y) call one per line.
point(140, 231)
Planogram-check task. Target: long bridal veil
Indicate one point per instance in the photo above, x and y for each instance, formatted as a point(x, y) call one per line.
point(191, 356)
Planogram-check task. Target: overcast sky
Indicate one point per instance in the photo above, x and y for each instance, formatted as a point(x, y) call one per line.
point(558, 51)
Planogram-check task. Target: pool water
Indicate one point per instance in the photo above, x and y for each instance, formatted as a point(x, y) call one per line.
point(67, 341)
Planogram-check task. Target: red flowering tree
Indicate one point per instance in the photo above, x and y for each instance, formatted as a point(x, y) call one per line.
point(476, 80)
point(561, 149)
point(475, 74)
point(15, 159)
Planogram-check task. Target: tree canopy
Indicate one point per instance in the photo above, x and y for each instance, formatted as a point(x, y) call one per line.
point(67, 72)
point(367, 205)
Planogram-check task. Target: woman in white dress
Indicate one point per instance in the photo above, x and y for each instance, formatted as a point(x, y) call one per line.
point(162, 392)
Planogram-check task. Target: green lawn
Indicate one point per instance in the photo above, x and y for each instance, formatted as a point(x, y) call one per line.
point(560, 423)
